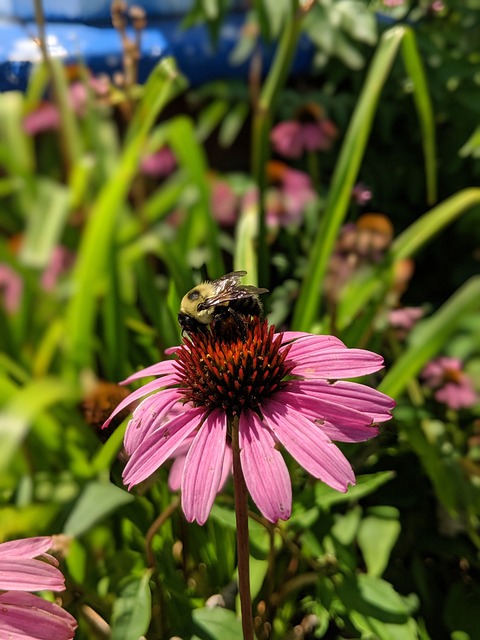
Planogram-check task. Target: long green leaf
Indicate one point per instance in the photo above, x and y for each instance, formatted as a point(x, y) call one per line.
point(344, 177)
point(421, 96)
point(430, 336)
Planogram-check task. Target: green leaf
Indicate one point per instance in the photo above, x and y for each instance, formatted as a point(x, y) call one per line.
point(24, 406)
point(245, 256)
point(345, 174)
point(218, 624)
point(132, 610)
point(421, 96)
point(325, 496)
point(377, 536)
point(45, 224)
point(96, 502)
point(232, 124)
point(374, 598)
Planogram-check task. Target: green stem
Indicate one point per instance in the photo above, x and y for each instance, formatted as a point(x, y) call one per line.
point(243, 554)
point(262, 119)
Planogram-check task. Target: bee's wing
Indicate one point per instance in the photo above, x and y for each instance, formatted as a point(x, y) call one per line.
point(229, 289)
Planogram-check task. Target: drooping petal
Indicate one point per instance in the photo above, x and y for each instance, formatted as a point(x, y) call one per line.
point(334, 363)
point(266, 474)
point(157, 369)
point(24, 616)
point(154, 385)
point(28, 574)
point(160, 445)
point(148, 416)
point(26, 548)
point(310, 447)
point(202, 473)
point(357, 396)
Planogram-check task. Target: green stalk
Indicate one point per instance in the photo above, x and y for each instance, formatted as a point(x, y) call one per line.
point(243, 545)
point(262, 119)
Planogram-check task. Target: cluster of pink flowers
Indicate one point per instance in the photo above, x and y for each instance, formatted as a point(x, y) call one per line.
point(26, 566)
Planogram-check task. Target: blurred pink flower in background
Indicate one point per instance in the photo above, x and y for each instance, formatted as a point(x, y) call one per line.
point(11, 288)
point(404, 317)
point(287, 199)
point(225, 203)
point(159, 164)
point(26, 566)
point(293, 138)
point(452, 386)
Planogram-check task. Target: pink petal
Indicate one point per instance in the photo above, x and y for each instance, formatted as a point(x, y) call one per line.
point(306, 342)
point(27, 574)
point(176, 473)
point(24, 616)
point(157, 369)
point(350, 433)
point(334, 363)
point(310, 447)
point(370, 402)
point(154, 385)
point(160, 445)
point(148, 416)
point(202, 474)
point(26, 548)
point(266, 474)
point(320, 409)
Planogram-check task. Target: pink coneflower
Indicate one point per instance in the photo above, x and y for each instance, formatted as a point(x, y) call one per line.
point(25, 566)
point(281, 389)
point(453, 387)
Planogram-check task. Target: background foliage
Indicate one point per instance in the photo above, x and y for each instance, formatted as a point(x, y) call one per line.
point(397, 557)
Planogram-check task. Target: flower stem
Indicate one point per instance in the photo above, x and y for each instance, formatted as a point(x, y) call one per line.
point(241, 512)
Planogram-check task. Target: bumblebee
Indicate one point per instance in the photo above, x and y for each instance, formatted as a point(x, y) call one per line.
point(222, 301)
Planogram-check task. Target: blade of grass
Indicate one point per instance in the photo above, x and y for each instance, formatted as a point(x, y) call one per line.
point(344, 177)
point(421, 97)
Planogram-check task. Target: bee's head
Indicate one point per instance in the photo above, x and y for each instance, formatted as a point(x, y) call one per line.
point(187, 323)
